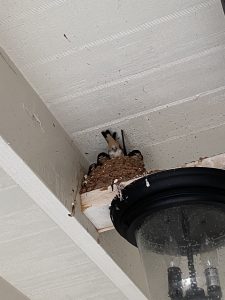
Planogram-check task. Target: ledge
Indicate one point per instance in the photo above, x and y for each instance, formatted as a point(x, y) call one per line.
point(95, 204)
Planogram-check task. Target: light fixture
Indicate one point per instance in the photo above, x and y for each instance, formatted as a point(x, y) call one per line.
point(176, 218)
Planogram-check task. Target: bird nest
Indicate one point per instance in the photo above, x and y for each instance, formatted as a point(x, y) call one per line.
point(113, 170)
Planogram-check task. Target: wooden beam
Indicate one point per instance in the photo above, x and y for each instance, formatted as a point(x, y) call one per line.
point(32, 131)
point(39, 156)
point(95, 204)
point(8, 291)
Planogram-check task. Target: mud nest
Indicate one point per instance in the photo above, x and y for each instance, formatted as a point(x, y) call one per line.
point(120, 169)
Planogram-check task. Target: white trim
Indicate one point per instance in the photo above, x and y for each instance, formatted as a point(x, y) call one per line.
point(95, 204)
point(8, 187)
point(46, 200)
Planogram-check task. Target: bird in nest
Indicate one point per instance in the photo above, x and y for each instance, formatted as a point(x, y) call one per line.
point(136, 154)
point(102, 158)
point(114, 148)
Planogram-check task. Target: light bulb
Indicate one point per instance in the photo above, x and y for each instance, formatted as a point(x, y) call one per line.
point(172, 256)
point(173, 259)
point(208, 254)
point(209, 261)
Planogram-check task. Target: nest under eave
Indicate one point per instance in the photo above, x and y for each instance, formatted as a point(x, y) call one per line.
point(118, 169)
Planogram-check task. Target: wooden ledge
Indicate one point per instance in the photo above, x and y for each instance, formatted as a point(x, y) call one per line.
point(95, 204)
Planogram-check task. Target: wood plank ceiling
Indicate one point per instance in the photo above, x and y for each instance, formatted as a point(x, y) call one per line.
point(154, 68)
point(39, 259)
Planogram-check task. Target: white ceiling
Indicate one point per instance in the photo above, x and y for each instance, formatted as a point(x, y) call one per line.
point(154, 68)
point(8, 292)
point(39, 259)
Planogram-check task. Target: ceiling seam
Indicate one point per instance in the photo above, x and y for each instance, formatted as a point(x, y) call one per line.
point(146, 112)
point(119, 35)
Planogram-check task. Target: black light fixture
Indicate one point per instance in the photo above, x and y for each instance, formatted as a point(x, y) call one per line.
point(176, 218)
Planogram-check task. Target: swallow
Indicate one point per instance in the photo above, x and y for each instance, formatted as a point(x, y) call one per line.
point(91, 168)
point(102, 158)
point(136, 154)
point(114, 148)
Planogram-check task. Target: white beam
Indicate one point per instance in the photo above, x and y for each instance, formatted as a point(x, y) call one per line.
point(35, 135)
point(95, 204)
point(47, 201)
point(38, 155)
point(9, 292)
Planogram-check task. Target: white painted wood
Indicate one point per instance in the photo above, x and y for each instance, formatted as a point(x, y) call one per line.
point(173, 133)
point(95, 204)
point(27, 125)
point(126, 256)
point(125, 64)
point(40, 260)
point(156, 69)
point(5, 181)
point(48, 202)
point(8, 292)
point(29, 128)
point(217, 161)
point(36, 137)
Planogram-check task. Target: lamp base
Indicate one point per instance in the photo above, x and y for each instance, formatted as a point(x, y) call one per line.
point(197, 193)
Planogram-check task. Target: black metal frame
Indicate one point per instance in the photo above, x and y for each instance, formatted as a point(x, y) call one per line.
point(173, 188)
point(162, 190)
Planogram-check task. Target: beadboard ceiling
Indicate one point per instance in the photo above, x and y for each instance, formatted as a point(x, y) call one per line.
point(154, 68)
point(39, 259)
